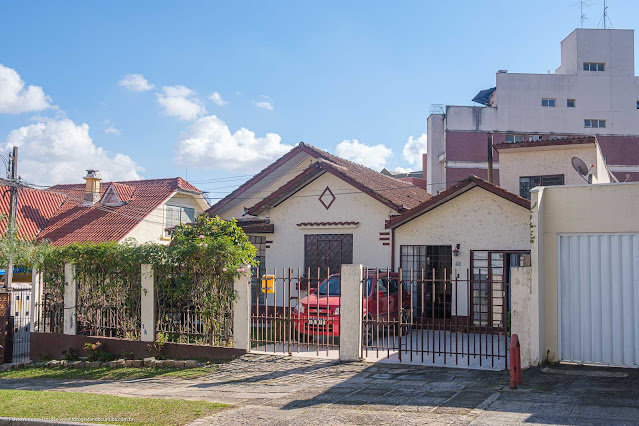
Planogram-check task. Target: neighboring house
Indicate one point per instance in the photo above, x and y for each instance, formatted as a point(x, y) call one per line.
point(311, 210)
point(115, 211)
point(35, 209)
point(525, 165)
point(473, 230)
point(594, 91)
point(416, 177)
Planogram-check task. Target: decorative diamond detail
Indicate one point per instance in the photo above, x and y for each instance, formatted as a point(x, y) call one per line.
point(327, 198)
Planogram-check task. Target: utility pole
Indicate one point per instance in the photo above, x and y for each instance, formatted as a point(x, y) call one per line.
point(13, 212)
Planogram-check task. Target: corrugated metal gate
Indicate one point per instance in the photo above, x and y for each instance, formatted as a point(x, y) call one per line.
point(20, 306)
point(598, 297)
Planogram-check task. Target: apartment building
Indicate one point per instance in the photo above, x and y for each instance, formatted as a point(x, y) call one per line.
point(593, 92)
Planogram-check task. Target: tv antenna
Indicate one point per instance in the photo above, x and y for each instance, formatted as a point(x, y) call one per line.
point(581, 168)
point(584, 18)
point(605, 18)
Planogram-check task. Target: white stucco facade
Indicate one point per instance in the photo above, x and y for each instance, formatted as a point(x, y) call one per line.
point(476, 220)
point(152, 228)
point(550, 160)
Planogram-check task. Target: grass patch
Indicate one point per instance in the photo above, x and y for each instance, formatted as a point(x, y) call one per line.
point(110, 409)
point(104, 373)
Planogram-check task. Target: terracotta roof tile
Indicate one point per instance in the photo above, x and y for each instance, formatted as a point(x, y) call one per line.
point(399, 194)
point(327, 223)
point(97, 223)
point(35, 208)
point(547, 142)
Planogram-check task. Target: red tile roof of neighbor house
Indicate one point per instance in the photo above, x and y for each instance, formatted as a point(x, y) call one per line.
point(454, 191)
point(584, 140)
point(395, 193)
point(97, 223)
point(35, 208)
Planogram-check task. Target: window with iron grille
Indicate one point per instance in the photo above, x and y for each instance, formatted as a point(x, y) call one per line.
point(327, 252)
point(526, 183)
point(256, 273)
point(429, 259)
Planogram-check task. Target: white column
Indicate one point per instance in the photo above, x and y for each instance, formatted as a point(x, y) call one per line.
point(537, 329)
point(35, 310)
point(242, 310)
point(70, 298)
point(147, 305)
point(350, 313)
point(521, 291)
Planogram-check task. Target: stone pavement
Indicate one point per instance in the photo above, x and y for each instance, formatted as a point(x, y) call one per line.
point(290, 390)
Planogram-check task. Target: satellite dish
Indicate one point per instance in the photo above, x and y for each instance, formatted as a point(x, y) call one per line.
point(580, 167)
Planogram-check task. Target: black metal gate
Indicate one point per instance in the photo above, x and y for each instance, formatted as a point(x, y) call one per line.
point(20, 320)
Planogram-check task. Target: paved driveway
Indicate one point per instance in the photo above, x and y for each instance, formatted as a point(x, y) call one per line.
point(281, 390)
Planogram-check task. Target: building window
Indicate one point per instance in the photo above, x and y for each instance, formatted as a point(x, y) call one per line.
point(592, 123)
point(514, 138)
point(534, 138)
point(557, 137)
point(325, 253)
point(176, 215)
point(637, 104)
point(570, 103)
point(526, 183)
point(545, 102)
point(594, 66)
point(426, 260)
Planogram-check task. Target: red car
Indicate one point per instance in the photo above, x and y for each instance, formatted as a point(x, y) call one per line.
point(318, 313)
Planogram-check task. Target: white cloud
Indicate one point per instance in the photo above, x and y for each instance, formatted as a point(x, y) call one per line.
point(402, 169)
point(136, 83)
point(374, 156)
point(15, 98)
point(414, 149)
point(110, 129)
point(59, 151)
point(265, 104)
point(217, 99)
point(209, 143)
point(180, 102)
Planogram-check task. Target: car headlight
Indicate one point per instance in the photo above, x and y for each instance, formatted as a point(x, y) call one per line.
point(336, 311)
point(300, 308)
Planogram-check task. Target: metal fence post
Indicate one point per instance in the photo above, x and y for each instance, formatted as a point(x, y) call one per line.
point(35, 309)
point(242, 310)
point(147, 304)
point(350, 316)
point(70, 299)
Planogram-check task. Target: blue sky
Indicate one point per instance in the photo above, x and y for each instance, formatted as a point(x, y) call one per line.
point(330, 71)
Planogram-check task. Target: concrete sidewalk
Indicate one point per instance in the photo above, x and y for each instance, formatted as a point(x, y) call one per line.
point(290, 390)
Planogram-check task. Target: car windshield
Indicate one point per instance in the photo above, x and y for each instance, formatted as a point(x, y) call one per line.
point(329, 287)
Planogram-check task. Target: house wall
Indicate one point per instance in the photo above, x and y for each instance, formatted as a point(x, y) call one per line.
point(287, 247)
point(604, 208)
point(276, 179)
point(477, 220)
point(152, 229)
point(611, 95)
point(549, 160)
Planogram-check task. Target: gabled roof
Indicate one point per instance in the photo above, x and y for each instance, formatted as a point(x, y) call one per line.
point(35, 208)
point(404, 193)
point(98, 223)
point(396, 194)
point(584, 140)
point(454, 191)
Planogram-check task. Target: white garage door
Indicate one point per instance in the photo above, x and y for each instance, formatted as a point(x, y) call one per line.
point(599, 298)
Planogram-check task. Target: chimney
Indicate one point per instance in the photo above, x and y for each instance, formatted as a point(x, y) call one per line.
point(92, 189)
point(424, 167)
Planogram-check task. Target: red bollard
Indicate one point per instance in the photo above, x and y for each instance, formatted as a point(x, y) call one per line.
point(515, 362)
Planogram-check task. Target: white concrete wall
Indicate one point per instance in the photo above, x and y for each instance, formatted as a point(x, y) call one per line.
point(152, 229)
point(522, 316)
point(287, 247)
point(604, 208)
point(550, 160)
point(477, 220)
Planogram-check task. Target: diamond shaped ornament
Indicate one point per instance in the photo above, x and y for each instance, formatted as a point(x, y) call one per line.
point(327, 198)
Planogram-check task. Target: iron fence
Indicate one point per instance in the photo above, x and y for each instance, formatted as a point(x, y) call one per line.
point(193, 308)
point(299, 313)
point(435, 318)
point(20, 321)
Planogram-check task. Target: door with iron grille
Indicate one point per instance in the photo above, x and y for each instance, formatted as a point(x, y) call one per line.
point(326, 252)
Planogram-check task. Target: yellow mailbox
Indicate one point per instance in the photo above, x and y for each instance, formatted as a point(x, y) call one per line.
point(268, 283)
